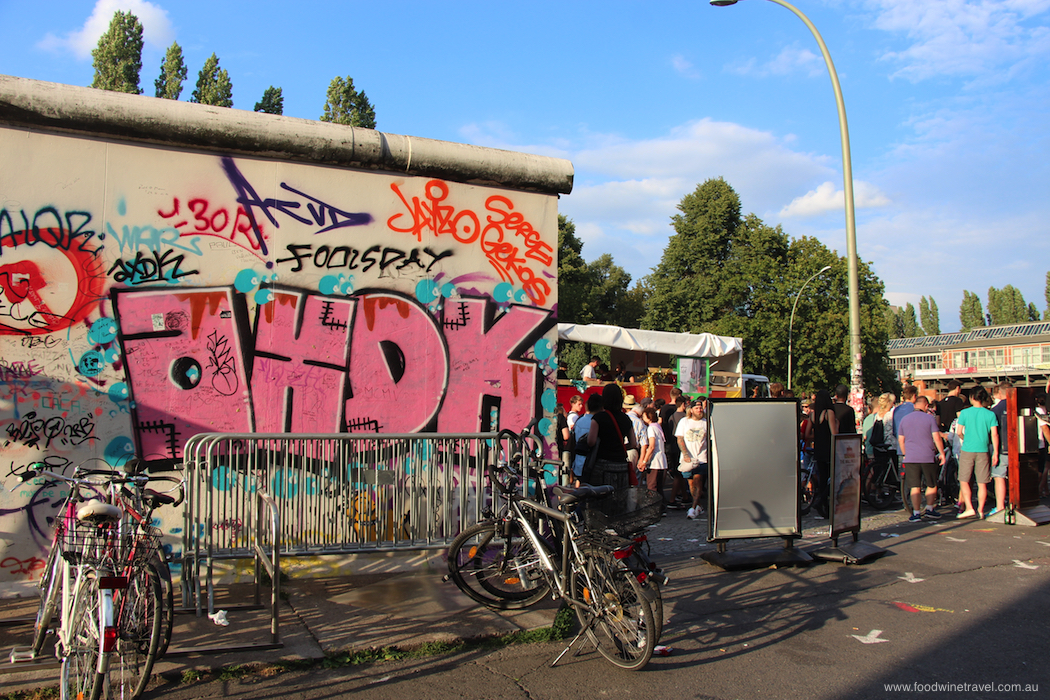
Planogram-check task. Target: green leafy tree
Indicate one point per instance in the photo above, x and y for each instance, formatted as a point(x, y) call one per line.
point(894, 326)
point(117, 58)
point(909, 324)
point(213, 85)
point(929, 317)
point(971, 313)
point(172, 74)
point(733, 275)
point(272, 101)
point(1033, 312)
point(1007, 305)
point(345, 105)
point(1046, 294)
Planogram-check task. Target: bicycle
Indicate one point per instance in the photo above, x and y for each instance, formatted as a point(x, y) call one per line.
point(881, 481)
point(104, 576)
point(613, 608)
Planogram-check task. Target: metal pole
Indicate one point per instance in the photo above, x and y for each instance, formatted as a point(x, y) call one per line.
point(856, 373)
point(791, 323)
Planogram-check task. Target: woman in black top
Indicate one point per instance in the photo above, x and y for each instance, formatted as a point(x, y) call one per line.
point(611, 429)
point(825, 424)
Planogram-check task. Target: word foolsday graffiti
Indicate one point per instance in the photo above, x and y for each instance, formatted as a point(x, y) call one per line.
point(328, 301)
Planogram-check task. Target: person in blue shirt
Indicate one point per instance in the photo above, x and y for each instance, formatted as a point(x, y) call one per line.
point(979, 429)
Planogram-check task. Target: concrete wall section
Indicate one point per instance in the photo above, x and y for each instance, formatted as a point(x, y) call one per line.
point(149, 292)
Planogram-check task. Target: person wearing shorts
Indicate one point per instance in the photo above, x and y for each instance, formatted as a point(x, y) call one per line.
point(691, 435)
point(979, 428)
point(920, 444)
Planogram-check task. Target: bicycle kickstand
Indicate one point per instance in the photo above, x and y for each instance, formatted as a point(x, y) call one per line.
point(575, 639)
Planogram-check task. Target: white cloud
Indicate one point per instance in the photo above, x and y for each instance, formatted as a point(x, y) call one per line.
point(826, 198)
point(964, 38)
point(157, 31)
point(791, 59)
point(685, 67)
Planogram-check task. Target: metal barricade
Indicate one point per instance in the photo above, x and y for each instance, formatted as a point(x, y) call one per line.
point(333, 494)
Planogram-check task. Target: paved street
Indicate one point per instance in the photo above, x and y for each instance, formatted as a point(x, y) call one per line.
point(951, 603)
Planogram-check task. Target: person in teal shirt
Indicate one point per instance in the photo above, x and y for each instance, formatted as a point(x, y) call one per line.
point(979, 429)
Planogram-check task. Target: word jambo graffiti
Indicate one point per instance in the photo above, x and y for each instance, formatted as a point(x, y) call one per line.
point(498, 238)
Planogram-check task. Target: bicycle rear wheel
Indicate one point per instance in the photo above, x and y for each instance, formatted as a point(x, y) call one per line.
point(614, 611)
point(167, 599)
point(81, 641)
point(494, 564)
point(138, 612)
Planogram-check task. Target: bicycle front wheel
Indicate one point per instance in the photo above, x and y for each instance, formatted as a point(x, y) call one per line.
point(614, 610)
point(50, 594)
point(138, 611)
point(494, 564)
point(81, 640)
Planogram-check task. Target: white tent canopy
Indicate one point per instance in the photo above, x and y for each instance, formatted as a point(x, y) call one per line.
point(679, 344)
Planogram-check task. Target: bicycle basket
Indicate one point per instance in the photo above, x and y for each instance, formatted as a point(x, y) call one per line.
point(84, 542)
point(625, 512)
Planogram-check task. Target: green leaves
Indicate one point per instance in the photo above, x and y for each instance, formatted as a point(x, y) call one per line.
point(118, 57)
point(345, 105)
point(272, 101)
point(213, 85)
point(172, 74)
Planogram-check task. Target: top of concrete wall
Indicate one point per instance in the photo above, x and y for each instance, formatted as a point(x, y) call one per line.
point(115, 115)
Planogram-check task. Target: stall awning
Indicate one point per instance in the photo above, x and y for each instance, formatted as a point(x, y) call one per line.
point(680, 344)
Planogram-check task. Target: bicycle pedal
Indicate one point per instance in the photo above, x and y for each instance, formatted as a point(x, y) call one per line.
point(21, 655)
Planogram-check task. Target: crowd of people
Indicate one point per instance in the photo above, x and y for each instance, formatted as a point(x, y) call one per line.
point(612, 438)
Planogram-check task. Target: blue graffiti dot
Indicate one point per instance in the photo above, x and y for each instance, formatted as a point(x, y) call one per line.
point(112, 355)
point(118, 392)
point(119, 450)
point(193, 374)
point(269, 266)
point(91, 363)
point(102, 331)
point(246, 281)
point(448, 290)
point(549, 400)
point(502, 291)
point(263, 296)
point(427, 291)
point(222, 479)
point(122, 206)
point(554, 361)
point(329, 284)
point(545, 426)
point(543, 348)
point(521, 296)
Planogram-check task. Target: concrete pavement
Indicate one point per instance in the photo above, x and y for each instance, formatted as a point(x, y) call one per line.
point(940, 585)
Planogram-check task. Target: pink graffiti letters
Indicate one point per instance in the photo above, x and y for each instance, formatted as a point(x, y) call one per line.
point(374, 361)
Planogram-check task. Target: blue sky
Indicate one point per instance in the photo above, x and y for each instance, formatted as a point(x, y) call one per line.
point(948, 104)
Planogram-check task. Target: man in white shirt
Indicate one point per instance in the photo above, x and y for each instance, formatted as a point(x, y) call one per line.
point(589, 373)
point(691, 434)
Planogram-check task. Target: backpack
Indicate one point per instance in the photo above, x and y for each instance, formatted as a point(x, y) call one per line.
point(878, 435)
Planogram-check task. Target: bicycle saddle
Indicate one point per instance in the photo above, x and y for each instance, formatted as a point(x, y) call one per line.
point(96, 511)
point(568, 495)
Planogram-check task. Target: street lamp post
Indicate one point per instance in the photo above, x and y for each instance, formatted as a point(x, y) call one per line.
point(856, 374)
point(791, 323)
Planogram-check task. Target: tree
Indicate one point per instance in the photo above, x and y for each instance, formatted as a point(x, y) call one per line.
point(172, 74)
point(213, 85)
point(894, 326)
point(971, 313)
point(732, 275)
point(909, 324)
point(1046, 294)
point(272, 101)
point(1033, 312)
point(1006, 306)
point(929, 316)
point(345, 105)
point(117, 58)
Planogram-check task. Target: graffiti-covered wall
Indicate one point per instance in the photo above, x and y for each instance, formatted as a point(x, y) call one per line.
point(149, 293)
